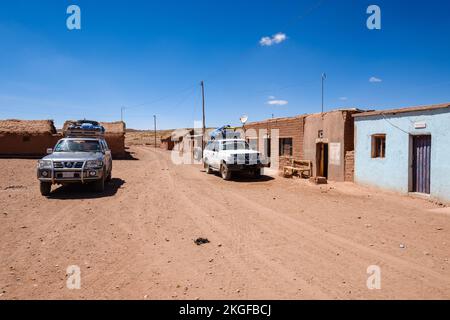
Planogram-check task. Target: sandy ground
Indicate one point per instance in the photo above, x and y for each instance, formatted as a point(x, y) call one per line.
point(269, 239)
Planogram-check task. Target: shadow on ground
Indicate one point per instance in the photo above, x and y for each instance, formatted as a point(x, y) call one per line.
point(128, 156)
point(244, 177)
point(79, 191)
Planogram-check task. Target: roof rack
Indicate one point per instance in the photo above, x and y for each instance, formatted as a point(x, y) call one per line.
point(85, 129)
point(225, 132)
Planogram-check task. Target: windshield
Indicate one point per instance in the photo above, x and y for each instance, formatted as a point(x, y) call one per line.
point(78, 146)
point(235, 145)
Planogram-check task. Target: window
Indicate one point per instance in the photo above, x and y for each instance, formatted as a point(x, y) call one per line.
point(285, 146)
point(320, 134)
point(78, 145)
point(106, 145)
point(235, 145)
point(379, 146)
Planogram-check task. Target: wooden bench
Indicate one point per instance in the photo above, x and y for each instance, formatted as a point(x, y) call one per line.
point(303, 168)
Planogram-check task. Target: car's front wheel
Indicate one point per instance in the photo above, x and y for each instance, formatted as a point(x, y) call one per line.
point(99, 185)
point(109, 177)
point(207, 167)
point(45, 188)
point(225, 172)
point(257, 173)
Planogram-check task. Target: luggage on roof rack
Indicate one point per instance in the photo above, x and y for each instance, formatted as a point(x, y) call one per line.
point(85, 128)
point(225, 132)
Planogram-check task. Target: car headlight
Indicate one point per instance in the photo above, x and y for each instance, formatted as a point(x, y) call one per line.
point(94, 164)
point(45, 164)
point(231, 159)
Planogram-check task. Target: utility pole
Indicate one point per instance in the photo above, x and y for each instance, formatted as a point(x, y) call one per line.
point(121, 113)
point(324, 77)
point(203, 115)
point(154, 123)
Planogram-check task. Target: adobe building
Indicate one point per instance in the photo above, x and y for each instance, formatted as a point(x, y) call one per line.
point(405, 150)
point(167, 143)
point(326, 139)
point(114, 136)
point(290, 133)
point(27, 138)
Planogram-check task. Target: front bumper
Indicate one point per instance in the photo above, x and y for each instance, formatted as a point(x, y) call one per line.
point(60, 176)
point(244, 167)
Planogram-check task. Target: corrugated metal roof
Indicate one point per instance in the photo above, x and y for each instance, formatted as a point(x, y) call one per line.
point(403, 110)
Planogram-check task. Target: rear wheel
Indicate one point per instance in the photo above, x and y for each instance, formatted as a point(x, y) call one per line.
point(45, 188)
point(225, 172)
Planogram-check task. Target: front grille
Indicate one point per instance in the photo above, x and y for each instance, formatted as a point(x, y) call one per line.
point(246, 159)
point(76, 175)
point(68, 164)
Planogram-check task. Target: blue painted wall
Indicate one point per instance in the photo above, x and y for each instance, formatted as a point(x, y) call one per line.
point(393, 171)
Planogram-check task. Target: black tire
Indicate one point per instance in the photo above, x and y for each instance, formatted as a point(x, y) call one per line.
point(109, 177)
point(45, 188)
point(207, 167)
point(224, 172)
point(99, 185)
point(257, 173)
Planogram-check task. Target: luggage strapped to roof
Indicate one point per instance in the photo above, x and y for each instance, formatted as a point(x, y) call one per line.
point(85, 129)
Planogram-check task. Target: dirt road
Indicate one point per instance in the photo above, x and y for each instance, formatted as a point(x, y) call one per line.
point(269, 239)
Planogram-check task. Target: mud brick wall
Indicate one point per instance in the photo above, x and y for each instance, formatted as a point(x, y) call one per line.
point(288, 128)
point(349, 166)
point(116, 142)
point(33, 145)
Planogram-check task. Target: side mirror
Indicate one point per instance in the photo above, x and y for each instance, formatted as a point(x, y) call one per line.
point(49, 150)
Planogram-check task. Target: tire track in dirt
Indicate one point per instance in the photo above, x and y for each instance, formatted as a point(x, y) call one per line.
point(334, 243)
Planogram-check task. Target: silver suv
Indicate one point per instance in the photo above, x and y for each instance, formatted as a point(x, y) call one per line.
point(76, 160)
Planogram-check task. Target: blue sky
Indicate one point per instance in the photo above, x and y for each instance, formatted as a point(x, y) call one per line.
point(150, 56)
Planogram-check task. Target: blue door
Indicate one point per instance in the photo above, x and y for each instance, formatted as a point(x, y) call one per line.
point(421, 163)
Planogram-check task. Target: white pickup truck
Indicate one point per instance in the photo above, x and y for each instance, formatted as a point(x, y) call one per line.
point(231, 155)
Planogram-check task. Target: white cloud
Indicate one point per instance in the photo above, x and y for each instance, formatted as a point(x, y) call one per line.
point(343, 98)
point(271, 97)
point(275, 39)
point(277, 102)
point(375, 79)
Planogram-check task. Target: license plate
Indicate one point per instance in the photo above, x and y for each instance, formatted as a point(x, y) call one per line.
point(68, 174)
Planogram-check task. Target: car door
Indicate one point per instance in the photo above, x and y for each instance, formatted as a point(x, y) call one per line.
point(216, 155)
point(207, 153)
point(108, 157)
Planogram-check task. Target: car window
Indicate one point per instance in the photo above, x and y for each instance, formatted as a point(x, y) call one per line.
point(105, 145)
point(215, 146)
point(78, 146)
point(235, 145)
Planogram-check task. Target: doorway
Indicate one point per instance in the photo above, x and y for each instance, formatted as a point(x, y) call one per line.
point(322, 159)
point(421, 166)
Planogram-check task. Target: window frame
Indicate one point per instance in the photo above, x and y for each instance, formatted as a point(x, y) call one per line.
point(378, 146)
point(281, 149)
